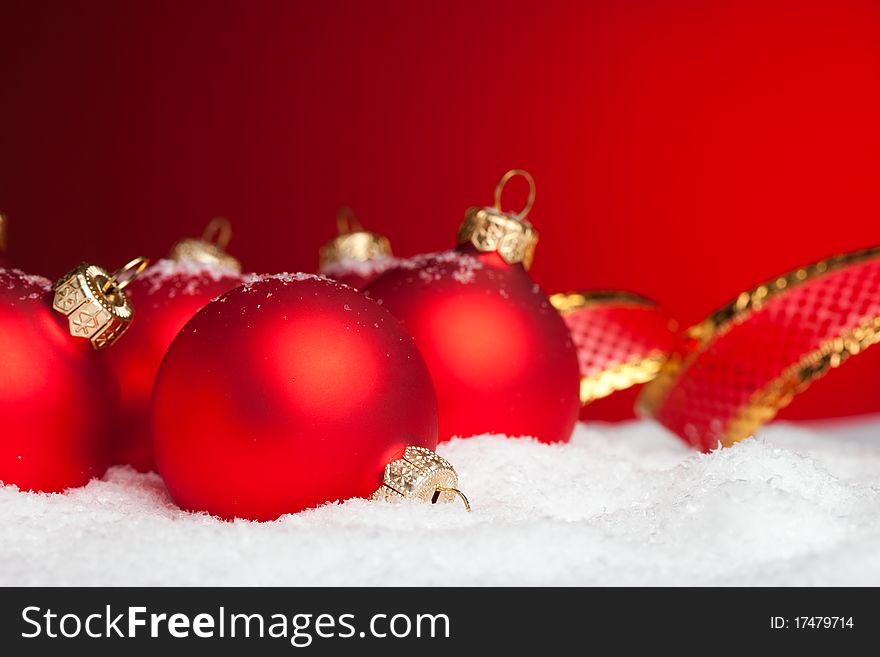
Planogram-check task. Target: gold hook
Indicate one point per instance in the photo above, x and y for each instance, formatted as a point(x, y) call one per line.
point(218, 231)
point(133, 268)
point(3, 224)
point(499, 189)
point(467, 505)
point(347, 222)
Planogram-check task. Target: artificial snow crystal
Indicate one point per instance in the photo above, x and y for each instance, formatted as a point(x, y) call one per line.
point(433, 267)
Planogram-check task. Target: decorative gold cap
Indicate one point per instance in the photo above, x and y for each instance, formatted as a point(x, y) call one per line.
point(510, 234)
point(353, 242)
point(3, 227)
point(93, 301)
point(210, 249)
point(423, 475)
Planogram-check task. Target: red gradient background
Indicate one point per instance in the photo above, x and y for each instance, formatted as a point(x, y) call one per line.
point(685, 150)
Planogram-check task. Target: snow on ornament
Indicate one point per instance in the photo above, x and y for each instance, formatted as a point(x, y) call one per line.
point(58, 399)
point(500, 356)
point(291, 391)
point(169, 293)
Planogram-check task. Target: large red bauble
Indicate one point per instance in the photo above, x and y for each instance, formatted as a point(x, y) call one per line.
point(57, 399)
point(166, 295)
point(500, 356)
point(286, 393)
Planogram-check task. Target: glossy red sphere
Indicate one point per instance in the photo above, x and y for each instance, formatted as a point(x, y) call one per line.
point(165, 297)
point(57, 399)
point(500, 356)
point(286, 393)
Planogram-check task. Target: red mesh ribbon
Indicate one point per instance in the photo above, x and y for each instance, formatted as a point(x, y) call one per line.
point(746, 361)
point(622, 339)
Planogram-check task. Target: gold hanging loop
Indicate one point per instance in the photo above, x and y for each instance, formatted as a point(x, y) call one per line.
point(219, 232)
point(123, 276)
point(347, 222)
point(499, 190)
point(467, 505)
point(3, 224)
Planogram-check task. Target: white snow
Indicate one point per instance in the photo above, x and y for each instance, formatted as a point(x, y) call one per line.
point(433, 267)
point(365, 268)
point(184, 275)
point(14, 278)
point(286, 278)
point(621, 504)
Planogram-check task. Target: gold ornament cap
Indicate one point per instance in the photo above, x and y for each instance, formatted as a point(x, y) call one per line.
point(94, 303)
point(210, 248)
point(353, 242)
point(510, 234)
point(3, 228)
point(422, 475)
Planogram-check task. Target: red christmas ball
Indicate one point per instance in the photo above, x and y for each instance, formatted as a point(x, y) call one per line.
point(57, 399)
point(285, 393)
point(500, 356)
point(167, 295)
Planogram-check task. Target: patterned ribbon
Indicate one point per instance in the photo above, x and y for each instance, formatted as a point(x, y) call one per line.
point(730, 374)
point(622, 339)
point(739, 367)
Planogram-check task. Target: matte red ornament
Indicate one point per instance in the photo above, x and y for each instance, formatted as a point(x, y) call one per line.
point(500, 355)
point(57, 398)
point(285, 393)
point(167, 295)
